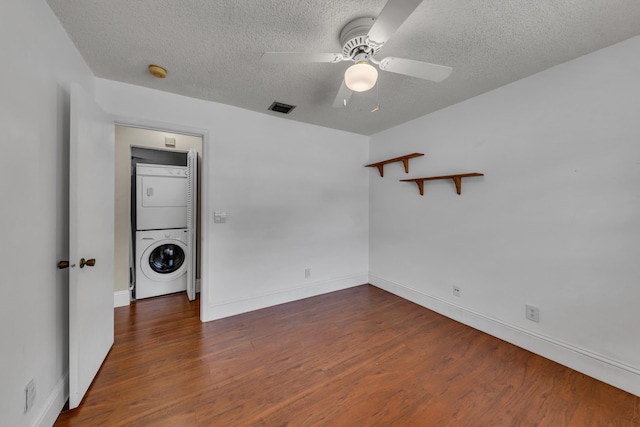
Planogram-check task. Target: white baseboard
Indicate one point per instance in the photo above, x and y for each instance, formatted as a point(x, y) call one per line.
point(582, 360)
point(219, 310)
point(54, 404)
point(121, 298)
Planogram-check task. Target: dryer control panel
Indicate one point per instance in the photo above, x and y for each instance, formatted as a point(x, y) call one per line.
point(160, 170)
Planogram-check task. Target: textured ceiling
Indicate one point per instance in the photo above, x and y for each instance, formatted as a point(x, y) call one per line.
point(212, 49)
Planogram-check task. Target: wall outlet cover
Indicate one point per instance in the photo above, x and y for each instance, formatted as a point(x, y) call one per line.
point(30, 395)
point(532, 313)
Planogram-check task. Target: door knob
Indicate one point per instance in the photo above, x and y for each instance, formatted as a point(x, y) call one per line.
point(89, 262)
point(65, 264)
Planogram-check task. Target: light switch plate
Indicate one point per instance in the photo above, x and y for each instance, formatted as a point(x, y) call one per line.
point(219, 217)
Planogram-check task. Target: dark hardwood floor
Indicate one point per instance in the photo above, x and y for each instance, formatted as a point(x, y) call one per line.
point(358, 357)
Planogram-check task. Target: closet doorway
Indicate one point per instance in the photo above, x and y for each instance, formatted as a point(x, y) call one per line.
point(133, 145)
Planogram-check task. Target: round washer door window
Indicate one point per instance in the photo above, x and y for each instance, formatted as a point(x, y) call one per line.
point(166, 258)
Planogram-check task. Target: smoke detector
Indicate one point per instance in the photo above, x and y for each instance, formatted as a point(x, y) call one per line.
point(157, 71)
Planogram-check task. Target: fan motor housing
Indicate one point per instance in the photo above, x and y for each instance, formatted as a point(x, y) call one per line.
point(354, 39)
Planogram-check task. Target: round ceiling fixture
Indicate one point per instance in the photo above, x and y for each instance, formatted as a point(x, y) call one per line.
point(157, 71)
point(360, 77)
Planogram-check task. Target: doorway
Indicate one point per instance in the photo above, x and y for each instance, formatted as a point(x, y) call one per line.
point(133, 144)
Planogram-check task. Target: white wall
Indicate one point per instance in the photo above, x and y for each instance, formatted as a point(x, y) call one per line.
point(296, 196)
point(554, 223)
point(37, 63)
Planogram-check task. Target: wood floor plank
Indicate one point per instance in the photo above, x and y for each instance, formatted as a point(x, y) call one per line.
point(358, 357)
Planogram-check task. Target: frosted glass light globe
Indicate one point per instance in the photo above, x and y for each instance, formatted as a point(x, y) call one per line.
point(361, 77)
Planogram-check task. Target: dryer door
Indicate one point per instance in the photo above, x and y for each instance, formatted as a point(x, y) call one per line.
point(161, 192)
point(161, 201)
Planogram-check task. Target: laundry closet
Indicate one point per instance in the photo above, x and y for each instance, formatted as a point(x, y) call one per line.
point(161, 214)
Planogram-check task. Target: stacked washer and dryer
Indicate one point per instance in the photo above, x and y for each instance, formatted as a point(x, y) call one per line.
point(162, 256)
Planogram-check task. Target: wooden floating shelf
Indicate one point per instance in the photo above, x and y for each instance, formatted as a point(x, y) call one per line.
point(403, 159)
point(457, 179)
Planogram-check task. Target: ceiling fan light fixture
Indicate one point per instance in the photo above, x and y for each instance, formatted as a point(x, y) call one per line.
point(361, 77)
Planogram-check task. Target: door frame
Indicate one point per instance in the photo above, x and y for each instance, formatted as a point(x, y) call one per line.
point(204, 196)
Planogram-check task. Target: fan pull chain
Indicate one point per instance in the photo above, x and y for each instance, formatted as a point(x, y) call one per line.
point(377, 108)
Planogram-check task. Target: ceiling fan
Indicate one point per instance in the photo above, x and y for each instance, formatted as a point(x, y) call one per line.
point(361, 39)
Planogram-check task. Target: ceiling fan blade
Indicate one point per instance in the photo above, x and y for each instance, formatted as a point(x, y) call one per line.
point(293, 57)
point(343, 96)
point(393, 14)
point(421, 70)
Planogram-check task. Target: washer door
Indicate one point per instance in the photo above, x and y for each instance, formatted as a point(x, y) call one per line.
point(164, 260)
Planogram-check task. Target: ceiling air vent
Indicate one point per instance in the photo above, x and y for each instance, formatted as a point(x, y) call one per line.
point(279, 107)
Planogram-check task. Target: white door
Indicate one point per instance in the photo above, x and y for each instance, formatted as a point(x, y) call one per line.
point(91, 238)
point(192, 221)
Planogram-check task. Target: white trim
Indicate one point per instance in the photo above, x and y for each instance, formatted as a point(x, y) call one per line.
point(243, 305)
point(582, 360)
point(55, 402)
point(205, 281)
point(159, 126)
point(121, 299)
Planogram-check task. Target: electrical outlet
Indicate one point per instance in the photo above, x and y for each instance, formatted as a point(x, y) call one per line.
point(456, 290)
point(29, 395)
point(532, 313)
point(307, 273)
